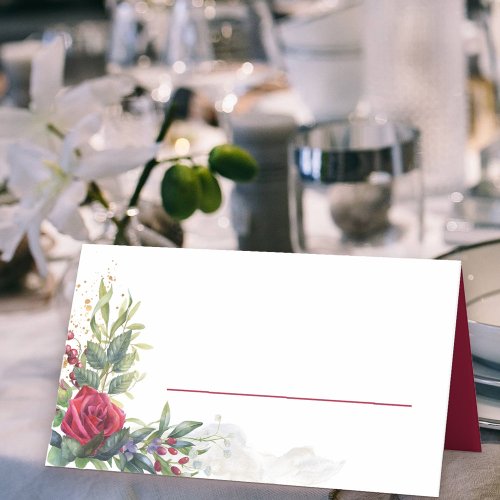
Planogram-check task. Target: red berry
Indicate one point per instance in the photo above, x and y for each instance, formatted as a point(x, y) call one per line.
point(161, 450)
point(72, 361)
point(171, 441)
point(74, 353)
point(79, 364)
point(68, 349)
point(184, 460)
point(157, 466)
point(175, 470)
point(172, 451)
point(72, 376)
point(71, 335)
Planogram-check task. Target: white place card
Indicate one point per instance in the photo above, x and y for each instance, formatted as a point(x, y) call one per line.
point(307, 370)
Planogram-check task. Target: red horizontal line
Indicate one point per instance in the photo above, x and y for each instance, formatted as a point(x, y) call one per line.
point(292, 397)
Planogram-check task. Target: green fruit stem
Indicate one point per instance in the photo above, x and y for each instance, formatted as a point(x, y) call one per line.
point(170, 113)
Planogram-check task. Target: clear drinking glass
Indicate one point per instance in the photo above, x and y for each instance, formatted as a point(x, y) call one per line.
point(222, 47)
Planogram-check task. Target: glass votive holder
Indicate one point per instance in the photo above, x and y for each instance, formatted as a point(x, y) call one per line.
point(356, 188)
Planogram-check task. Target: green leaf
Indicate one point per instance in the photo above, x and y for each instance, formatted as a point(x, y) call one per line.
point(136, 326)
point(131, 467)
point(129, 395)
point(81, 463)
point(103, 302)
point(119, 322)
point(164, 419)
point(124, 306)
point(55, 439)
point(184, 428)
point(121, 461)
point(98, 464)
point(63, 397)
point(165, 465)
point(70, 448)
point(105, 306)
point(58, 418)
point(133, 310)
point(54, 457)
point(113, 444)
point(120, 384)
point(125, 364)
point(143, 462)
point(135, 335)
point(118, 347)
point(96, 356)
point(182, 444)
point(89, 448)
point(141, 434)
point(87, 377)
point(144, 346)
point(136, 421)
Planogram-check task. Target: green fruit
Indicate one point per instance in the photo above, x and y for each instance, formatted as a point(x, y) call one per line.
point(211, 195)
point(233, 162)
point(180, 191)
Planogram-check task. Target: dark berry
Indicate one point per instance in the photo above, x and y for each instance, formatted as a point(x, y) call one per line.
point(184, 460)
point(74, 353)
point(157, 466)
point(72, 376)
point(161, 450)
point(175, 470)
point(171, 441)
point(71, 335)
point(72, 361)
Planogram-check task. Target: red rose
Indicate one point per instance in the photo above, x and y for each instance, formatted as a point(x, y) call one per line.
point(91, 413)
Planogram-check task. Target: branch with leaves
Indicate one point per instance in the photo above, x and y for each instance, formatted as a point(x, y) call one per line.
point(90, 425)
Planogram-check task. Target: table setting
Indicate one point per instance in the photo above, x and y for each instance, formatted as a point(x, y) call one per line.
point(359, 128)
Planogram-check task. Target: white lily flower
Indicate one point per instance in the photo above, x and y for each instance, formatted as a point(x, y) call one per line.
point(52, 186)
point(53, 108)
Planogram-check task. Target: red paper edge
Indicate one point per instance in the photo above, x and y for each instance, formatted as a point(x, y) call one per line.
point(462, 425)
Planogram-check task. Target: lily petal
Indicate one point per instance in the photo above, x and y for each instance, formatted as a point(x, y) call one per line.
point(47, 71)
point(15, 123)
point(90, 97)
point(35, 244)
point(12, 229)
point(113, 161)
point(79, 136)
point(27, 168)
point(65, 215)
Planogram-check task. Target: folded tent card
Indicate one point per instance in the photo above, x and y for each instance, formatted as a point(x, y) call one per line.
point(307, 370)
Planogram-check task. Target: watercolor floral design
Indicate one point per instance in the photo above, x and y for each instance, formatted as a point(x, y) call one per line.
point(91, 426)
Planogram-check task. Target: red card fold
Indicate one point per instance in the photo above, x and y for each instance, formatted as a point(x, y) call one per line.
point(462, 426)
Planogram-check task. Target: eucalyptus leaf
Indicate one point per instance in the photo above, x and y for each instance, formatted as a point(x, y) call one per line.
point(144, 346)
point(142, 461)
point(137, 421)
point(118, 347)
point(164, 419)
point(87, 377)
point(96, 356)
point(119, 322)
point(120, 384)
point(102, 302)
point(136, 326)
point(141, 434)
point(105, 306)
point(98, 464)
point(131, 467)
point(133, 310)
point(184, 428)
